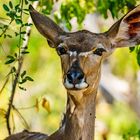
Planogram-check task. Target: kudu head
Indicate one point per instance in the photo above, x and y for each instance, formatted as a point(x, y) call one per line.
point(82, 52)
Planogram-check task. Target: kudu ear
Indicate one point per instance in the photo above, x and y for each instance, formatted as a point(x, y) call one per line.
point(126, 31)
point(46, 27)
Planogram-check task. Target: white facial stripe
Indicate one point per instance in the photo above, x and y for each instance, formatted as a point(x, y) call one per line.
point(74, 53)
point(85, 53)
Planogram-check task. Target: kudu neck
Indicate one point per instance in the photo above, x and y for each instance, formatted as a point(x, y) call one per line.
point(80, 117)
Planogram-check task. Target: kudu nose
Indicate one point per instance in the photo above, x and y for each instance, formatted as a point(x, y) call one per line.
point(75, 76)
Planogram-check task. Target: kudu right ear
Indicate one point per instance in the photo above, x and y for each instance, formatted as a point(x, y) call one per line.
point(46, 27)
point(126, 32)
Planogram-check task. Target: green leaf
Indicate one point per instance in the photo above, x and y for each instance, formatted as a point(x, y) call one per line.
point(23, 74)
point(16, 34)
point(22, 88)
point(23, 38)
point(10, 56)
point(9, 61)
point(26, 13)
point(9, 36)
point(138, 57)
point(18, 21)
point(17, 7)
point(15, 55)
point(26, 2)
point(26, 10)
point(5, 26)
point(23, 81)
point(13, 70)
point(11, 14)
point(25, 52)
point(23, 32)
point(5, 35)
point(5, 7)
point(29, 78)
point(10, 4)
point(131, 49)
point(28, 24)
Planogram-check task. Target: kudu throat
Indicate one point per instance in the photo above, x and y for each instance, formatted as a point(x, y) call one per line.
point(80, 118)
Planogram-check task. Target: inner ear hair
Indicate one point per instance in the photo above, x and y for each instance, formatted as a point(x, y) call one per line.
point(126, 31)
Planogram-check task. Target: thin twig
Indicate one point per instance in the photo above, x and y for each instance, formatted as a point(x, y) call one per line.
point(13, 121)
point(24, 108)
point(2, 48)
point(21, 117)
point(6, 28)
point(5, 83)
point(21, 58)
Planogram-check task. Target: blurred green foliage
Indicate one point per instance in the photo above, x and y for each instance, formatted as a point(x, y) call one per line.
point(137, 50)
point(122, 126)
point(43, 65)
point(47, 6)
point(115, 6)
point(75, 8)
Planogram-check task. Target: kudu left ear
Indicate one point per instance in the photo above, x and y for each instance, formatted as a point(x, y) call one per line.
point(126, 31)
point(46, 27)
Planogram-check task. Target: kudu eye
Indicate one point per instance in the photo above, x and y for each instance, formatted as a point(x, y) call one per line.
point(61, 49)
point(99, 51)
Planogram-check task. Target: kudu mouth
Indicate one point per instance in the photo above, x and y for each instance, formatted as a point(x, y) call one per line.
point(75, 79)
point(76, 86)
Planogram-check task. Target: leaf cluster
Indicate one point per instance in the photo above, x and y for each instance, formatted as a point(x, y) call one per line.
point(137, 51)
point(47, 6)
point(16, 14)
point(115, 7)
point(23, 79)
point(132, 135)
point(74, 8)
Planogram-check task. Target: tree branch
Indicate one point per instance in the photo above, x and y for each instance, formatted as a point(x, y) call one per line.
point(20, 63)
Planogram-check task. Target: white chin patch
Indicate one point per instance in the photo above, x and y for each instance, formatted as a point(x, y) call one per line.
point(67, 84)
point(81, 85)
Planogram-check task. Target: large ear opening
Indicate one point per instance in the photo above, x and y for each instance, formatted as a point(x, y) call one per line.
point(46, 27)
point(126, 31)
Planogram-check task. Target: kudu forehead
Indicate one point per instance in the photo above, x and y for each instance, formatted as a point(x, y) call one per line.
point(84, 41)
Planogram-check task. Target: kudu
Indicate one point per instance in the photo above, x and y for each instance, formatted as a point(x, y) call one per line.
point(82, 54)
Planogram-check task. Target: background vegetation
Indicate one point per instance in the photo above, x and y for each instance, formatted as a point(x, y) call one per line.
point(40, 97)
